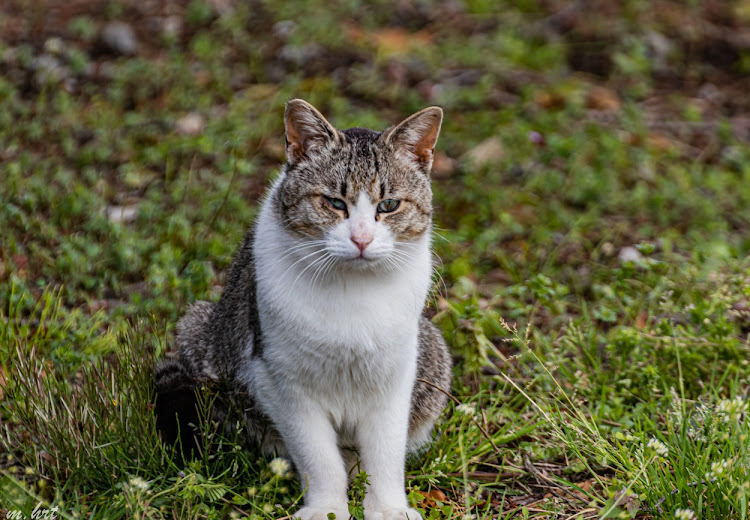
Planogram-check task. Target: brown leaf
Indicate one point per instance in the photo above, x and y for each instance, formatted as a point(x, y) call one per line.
point(641, 321)
point(22, 263)
point(438, 495)
point(388, 40)
point(3, 382)
point(549, 100)
point(431, 497)
point(274, 149)
point(603, 99)
point(487, 152)
point(659, 142)
point(443, 167)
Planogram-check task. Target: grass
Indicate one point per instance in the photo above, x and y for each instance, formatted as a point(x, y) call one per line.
point(594, 284)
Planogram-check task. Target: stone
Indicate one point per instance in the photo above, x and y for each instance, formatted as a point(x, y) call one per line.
point(190, 124)
point(629, 254)
point(119, 38)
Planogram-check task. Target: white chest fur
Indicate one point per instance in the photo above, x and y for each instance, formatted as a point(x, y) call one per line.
point(343, 337)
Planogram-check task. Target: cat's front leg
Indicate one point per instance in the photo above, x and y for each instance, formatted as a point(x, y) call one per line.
point(311, 441)
point(382, 437)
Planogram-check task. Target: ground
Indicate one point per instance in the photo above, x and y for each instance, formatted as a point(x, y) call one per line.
point(592, 208)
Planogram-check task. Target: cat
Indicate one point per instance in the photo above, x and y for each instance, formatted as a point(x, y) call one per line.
point(320, 335)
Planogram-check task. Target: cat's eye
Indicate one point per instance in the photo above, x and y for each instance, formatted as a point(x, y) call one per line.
point(388, 205)
point(335, 203)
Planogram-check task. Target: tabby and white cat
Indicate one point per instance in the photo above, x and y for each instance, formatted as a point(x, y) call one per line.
point(319, 334)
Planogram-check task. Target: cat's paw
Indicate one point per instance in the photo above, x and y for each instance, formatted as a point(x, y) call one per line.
point(321, 513)
point(393, 514)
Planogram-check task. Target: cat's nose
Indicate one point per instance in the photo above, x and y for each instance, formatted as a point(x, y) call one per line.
point(362, 241)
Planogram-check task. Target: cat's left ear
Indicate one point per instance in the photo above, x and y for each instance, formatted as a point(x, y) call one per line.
point(417, 135)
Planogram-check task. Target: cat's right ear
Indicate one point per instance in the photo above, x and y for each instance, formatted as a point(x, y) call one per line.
point(306, 130)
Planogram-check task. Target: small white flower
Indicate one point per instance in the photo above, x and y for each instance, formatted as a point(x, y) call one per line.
point(279, 466)
point(684, 514)
point(732, 410)
point(718, 469)
point(466, 409)
point(138, 483)
point(659, 447)
point(697, 435)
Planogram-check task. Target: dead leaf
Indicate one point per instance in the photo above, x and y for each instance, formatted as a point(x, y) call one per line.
point(443, 167)
point(22, 263)
point(603, 99)
point(3, 382)
point(629, 501)
point(388, 40)
point(549, 100)
point(487, 152)
point(438, 495)
point(431, 497)
point(274, 149)
point(641, 321)
point(659, 142)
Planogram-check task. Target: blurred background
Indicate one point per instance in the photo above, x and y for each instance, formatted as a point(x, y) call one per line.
point(138, 137)
point(592, 189)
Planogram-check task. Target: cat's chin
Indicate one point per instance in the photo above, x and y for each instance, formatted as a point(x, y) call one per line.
point(364, 264)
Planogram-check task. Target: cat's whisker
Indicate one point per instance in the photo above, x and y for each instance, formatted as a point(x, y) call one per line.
point(399, 261)
point(438, 235)
point(394, 266)
point(403, 256)
point(295, 249)
point(331, 266)
point(329, 259)
point(437, 277)
point(406, 256)
point(313, 263)
point(316, 252)
point(444, 292)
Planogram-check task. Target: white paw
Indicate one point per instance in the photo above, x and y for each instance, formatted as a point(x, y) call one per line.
point(392, 514)
point(321, 513)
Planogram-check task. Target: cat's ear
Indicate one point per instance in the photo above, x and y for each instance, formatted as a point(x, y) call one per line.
point(306, 130)
point(417, 134)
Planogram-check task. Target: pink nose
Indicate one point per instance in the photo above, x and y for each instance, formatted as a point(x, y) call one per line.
point(362, 242)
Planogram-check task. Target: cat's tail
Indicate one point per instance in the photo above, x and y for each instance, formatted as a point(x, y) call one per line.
point(178, 377)
point(176, 405)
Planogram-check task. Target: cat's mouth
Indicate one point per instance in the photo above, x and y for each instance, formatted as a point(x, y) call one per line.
point(364, 262)
point(364, 259)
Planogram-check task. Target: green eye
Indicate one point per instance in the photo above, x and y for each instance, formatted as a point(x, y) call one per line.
point(335, 203)
point(388, 205)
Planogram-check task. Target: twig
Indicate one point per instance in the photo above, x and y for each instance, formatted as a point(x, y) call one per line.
point(486, 476)
point(551, 485)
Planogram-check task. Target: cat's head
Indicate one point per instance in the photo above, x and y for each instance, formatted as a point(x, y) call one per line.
point(362, 196)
